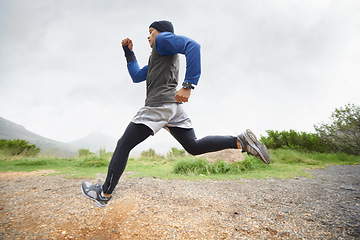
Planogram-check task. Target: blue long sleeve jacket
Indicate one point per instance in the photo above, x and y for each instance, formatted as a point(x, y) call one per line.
point(170, 44)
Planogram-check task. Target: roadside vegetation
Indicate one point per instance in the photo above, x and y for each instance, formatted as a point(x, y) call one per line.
point(292, 153)
point(18, 147)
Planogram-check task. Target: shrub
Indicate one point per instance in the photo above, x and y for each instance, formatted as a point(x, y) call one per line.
point(342, 134)
point(84, 152)
point(93, 161)
point(201, 166)
point(221, 167)
point(17, 147)
point(192, 166)
point(293, 140)
point(249, 164)
point(150, 154)
point(176, 153)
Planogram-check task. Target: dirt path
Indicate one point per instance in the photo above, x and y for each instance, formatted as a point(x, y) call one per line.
point(324, 207)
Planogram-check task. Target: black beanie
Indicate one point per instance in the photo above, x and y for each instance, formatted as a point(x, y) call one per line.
point(163, 26)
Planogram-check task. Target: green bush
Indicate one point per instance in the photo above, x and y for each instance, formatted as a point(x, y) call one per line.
point(84, 152)
point(250, 163)
point(192, 166)
point(221, 167)
point(199, 166)
point(150, 154)
point(93, 161)
point(176, 153)
point(294, 140)
point(17, 147)
point(342, 134)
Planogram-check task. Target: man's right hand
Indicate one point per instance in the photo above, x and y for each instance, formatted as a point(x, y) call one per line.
point(127, 42)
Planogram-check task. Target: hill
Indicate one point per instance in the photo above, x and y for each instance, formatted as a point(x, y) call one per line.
point(11, 130)
point(96, 141)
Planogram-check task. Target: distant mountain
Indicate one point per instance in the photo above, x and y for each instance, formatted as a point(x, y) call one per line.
point(96, 141)
point(10, 130)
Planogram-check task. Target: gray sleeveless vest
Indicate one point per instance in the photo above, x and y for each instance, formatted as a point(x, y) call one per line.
point(162, 78)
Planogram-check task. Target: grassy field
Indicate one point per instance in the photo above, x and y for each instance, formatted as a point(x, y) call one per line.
point(285, 164)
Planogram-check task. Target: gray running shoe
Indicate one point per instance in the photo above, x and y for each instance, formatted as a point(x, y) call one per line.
point(93, 192)
point(252, 146)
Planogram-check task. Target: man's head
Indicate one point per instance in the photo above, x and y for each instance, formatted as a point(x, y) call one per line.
point(163, 26)
point(157, 27)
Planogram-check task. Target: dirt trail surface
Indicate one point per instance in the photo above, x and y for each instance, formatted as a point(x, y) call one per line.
point(51, 207)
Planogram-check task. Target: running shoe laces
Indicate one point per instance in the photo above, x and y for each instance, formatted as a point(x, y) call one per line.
point(251, 145)
point(93, 192)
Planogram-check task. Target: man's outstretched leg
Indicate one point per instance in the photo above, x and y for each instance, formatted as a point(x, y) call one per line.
point(246, 141)
point(101, 194)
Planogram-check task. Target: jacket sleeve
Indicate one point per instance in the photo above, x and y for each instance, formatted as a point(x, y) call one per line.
point(170, 44)
point(137, 74)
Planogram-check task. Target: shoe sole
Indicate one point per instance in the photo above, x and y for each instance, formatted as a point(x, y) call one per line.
point(94, 200)
point(254, 143)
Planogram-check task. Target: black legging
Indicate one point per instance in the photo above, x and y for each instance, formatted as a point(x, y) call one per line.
point(136, 133)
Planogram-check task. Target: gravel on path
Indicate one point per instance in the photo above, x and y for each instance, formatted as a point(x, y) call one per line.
point(326, 206)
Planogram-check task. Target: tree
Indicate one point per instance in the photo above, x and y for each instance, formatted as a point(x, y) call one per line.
point(17, 147)
point(342, 134)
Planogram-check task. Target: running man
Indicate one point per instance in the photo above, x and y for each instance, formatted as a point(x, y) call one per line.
point(164, 109)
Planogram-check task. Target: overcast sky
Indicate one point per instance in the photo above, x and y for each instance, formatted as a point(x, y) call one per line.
point(275, 65)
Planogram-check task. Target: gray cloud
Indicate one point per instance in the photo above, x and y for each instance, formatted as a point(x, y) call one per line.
point(265, 65)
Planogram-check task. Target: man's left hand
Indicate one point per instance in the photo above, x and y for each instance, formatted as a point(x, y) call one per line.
point(183, 95)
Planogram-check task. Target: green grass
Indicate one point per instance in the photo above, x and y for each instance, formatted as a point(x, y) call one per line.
point(68, 167)
point(284, 164)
